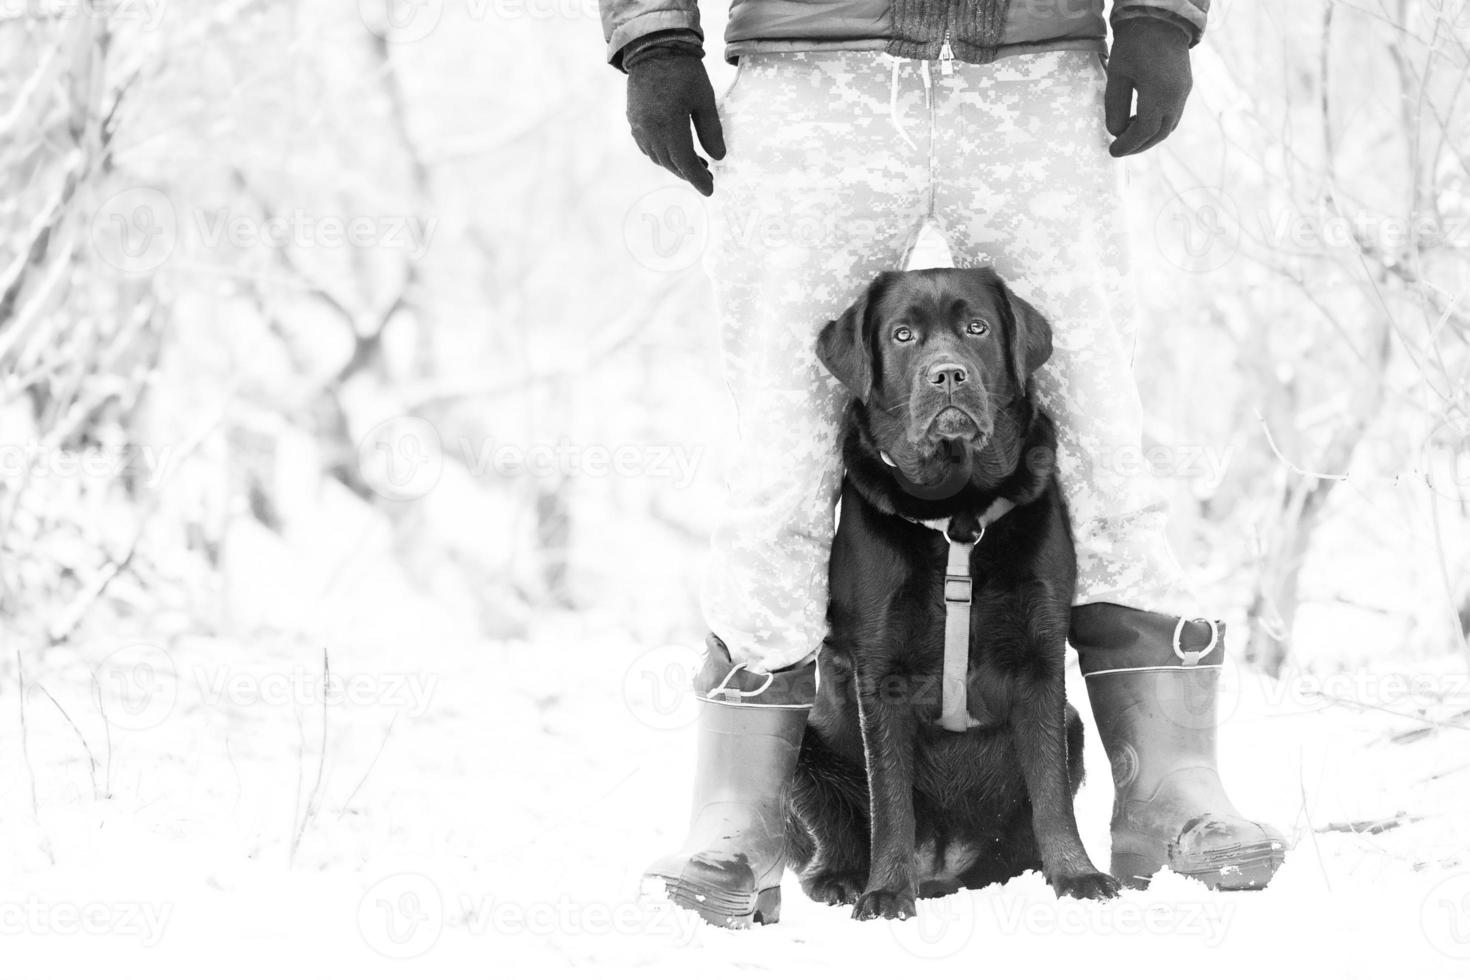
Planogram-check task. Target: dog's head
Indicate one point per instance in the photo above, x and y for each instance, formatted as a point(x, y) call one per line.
point(942, 359)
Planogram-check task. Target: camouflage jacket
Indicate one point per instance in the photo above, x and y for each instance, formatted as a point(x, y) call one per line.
point(969, 30)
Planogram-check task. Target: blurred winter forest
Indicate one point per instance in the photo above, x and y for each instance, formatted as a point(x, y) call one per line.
point(336, 320)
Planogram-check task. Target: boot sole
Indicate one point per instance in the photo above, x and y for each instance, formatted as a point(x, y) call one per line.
point(721, 907)
point(1243, 867)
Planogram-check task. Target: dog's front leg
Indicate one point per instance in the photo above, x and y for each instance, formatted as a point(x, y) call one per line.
point(1039, 727)
point(889, 727)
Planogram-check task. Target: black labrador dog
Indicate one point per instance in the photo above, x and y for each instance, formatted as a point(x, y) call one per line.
point(887, 805)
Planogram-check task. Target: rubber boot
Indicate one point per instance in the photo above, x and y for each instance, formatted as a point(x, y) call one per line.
point(750, 728)
point(1154, 681)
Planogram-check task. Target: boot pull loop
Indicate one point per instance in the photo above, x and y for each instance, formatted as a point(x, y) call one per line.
point(734, 693)
point(1191, 658)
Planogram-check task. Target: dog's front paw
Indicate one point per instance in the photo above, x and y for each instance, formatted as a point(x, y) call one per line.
point(835, 887)
point(880, 904)
point(1086, 884)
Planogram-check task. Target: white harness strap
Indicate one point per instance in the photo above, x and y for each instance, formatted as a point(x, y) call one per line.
point(954, 699)
point(959, 590)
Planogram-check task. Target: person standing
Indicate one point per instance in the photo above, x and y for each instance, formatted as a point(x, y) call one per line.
point(851, 125)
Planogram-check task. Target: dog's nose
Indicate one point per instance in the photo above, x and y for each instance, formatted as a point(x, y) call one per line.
point(947, 375)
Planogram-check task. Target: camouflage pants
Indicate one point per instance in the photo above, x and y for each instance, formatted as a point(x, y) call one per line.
point(835, 160)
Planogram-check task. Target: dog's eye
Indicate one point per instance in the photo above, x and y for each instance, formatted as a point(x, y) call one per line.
point(903, 335)
point(978, 328)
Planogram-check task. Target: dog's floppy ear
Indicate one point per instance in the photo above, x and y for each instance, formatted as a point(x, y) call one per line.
point(1030, 338)
point(842, 346)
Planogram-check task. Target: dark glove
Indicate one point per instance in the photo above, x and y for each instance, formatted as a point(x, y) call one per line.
point(1150, 56)
point(668, 88)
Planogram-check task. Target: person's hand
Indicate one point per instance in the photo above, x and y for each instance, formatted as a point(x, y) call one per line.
point(667, 90)
point(1151, 57)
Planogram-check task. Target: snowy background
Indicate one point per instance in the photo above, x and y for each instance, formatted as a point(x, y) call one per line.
point(360, 433)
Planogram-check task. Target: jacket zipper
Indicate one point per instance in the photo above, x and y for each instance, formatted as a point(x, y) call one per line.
point(946, 56)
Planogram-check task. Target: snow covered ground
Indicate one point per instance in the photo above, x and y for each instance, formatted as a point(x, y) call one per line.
point(480, 809)
point(184, 805)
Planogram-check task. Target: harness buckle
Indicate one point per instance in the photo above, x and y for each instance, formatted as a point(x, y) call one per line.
point(958, 589)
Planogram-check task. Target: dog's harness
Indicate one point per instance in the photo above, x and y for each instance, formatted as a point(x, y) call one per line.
point(959, 590)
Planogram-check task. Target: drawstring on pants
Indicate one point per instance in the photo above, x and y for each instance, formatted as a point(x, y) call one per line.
point(927, 76)
point(893, 104)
